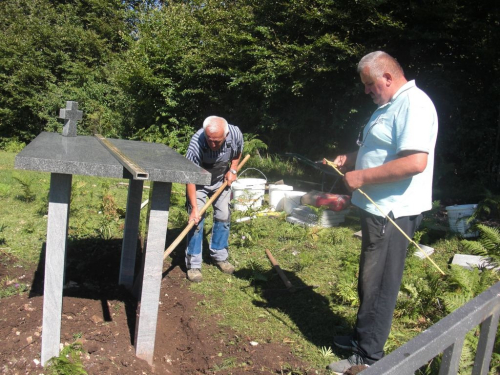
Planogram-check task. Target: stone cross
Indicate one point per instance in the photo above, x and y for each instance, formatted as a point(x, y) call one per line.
point(71, 115)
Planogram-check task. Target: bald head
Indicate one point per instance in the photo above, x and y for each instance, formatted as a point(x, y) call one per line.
point(381, 75)
point(380, 62)
point(216, 130)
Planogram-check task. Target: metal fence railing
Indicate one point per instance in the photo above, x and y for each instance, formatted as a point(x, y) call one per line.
point(447, 337)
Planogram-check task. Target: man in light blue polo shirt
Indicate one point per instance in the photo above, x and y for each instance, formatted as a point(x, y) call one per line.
point(394, 167)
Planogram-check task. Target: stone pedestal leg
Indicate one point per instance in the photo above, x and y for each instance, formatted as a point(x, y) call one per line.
point(153, 267)
point(131, 233)
point(55, 253)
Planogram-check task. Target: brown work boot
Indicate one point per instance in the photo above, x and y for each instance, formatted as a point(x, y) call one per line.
point(225, 267)
point(194, 275)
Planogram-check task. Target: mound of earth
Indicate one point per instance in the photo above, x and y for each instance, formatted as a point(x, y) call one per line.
point(101, 316)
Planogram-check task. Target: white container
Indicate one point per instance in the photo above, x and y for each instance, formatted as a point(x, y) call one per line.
point(292, 200)
point(457, 218)
point(248, 193)
point(277, 196)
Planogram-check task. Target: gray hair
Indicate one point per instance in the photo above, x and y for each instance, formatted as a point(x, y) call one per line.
point(214, 121)
point(379, 63)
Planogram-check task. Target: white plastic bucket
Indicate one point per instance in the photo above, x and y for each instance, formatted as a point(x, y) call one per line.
point(292, 200)
point(457, 218)
point(277, 196)
point(248, 193)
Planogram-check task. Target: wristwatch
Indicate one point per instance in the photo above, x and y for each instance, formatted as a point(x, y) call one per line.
point(233, 171)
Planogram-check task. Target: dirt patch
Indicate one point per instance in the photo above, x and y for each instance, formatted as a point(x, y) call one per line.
point(103, 319)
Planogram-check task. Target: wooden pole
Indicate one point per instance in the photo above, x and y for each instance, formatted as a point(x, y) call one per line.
point(278, 269)
point(183, 234)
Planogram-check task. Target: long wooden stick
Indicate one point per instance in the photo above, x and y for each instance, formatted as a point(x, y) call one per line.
point(281, 274)
point(387, 217)
point(183, 234)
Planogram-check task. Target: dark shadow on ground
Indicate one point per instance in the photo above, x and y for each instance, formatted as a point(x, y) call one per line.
point(92, 271)
point(177, 257)
point(308, 309)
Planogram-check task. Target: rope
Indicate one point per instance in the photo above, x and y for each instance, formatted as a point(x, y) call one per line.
point(387, 217)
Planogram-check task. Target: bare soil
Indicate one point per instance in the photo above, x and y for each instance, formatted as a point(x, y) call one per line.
point(101, 315)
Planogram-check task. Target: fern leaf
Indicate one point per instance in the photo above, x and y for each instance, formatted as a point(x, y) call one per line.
point(464, 279)
point(453, 301)
point(490, 238)
point(474, 247)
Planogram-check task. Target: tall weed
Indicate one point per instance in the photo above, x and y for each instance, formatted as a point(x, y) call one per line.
point(2, 238)
point(27, 194)
point(68, 362)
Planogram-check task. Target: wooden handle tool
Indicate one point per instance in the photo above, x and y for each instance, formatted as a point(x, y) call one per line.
point(282, 275)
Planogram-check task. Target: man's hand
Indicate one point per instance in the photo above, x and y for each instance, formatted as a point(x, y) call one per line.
point(341, 163)
point(194, 216)
point(353, 180)
point(230, 177)
point(344, 162)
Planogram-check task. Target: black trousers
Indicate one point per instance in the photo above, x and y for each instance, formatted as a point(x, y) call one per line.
point(381, 265)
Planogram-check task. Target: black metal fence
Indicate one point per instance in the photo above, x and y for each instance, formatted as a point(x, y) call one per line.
point(447, 337)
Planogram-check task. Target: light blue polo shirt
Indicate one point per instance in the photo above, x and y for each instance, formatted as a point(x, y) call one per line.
point(407, 122)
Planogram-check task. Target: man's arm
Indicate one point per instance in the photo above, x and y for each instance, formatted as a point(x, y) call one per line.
point(408, 164)
point(191, 195)
point(230, 177)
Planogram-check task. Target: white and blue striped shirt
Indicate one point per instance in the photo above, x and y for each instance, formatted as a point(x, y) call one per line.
point(200, 154)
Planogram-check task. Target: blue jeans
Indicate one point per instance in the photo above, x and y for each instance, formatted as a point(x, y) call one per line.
point(220, 230)
point(381, 266)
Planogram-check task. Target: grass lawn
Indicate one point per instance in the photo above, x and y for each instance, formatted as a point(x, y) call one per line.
point(321, 263)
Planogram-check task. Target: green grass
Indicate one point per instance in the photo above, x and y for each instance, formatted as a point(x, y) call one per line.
point(322, 263)
point(11, 287)
point(68, 362)
point(307, 319)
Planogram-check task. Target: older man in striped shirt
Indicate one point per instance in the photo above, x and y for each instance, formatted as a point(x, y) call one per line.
point(217, 148)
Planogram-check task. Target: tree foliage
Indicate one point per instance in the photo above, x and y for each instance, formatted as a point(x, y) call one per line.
point(283, 71)
point(52, 52)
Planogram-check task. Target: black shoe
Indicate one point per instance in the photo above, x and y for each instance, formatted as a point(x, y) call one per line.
point(342, 366)
point(345, 342)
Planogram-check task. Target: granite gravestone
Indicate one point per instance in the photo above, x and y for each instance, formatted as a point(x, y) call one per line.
point(70, 115)
point(68, 154)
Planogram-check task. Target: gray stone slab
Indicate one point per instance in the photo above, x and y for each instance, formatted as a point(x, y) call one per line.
point(328, 218)
point(85, 155)
point(55, 254)
point(131, 233)
point(153, 265)
point(420, 253)
point(471, 261)
point(71, 115)
point(162, 163)
point(66, 155)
